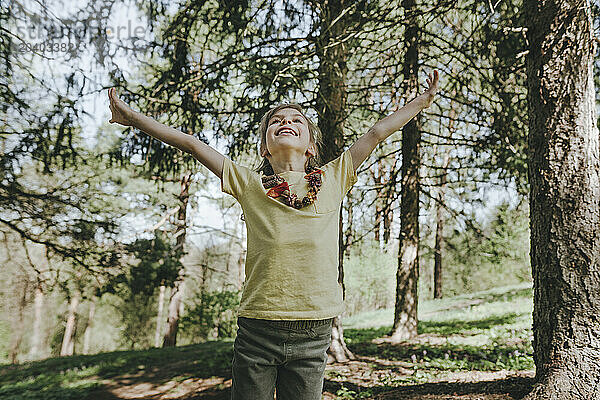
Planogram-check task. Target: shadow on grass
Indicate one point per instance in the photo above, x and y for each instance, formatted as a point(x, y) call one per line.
point(79, 377)
point(457, 326)
point(448, 327)
point(513, 387)
point(484, 297)
point(446, 356)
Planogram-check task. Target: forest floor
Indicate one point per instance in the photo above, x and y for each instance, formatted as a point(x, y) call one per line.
point(475, 346)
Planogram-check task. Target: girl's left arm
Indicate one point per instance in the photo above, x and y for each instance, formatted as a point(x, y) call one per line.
point(361, 149)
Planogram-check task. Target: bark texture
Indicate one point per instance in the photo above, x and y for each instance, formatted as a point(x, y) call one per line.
point(159, 315)
point(68, 342)
point(439, 232)
point(439, 212)
point(87, 334)
point(564, 173)
point(331, 108)
point(176, 300)
point(405, 312)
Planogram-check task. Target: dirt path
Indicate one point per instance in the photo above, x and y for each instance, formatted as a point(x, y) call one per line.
point(366, 374)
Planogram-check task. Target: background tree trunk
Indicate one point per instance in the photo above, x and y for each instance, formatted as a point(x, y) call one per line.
point(19, 329)
point(87, 334)
point(441, 203)
point(176, 301)
point(36, 334)
point(405, 313)
point(439, 230)
point(68, 345)
point(159, 316)
point(377, 175)
point(564, 173)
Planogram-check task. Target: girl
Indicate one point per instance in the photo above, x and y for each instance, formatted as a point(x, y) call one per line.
point(291, 207)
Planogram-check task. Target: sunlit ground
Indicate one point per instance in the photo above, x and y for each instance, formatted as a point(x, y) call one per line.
point(474, 346)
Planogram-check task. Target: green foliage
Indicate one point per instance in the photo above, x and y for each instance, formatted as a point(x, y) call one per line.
point(212, 315)
point(158, 265)
point(137, 312)
point(370, 279)
point(474, 262)
point(135, 289)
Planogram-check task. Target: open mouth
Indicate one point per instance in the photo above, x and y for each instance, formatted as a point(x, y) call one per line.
point(285, 131)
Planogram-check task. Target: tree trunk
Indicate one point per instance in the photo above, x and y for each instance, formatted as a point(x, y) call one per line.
point(377, 176)
point(439, 230)
point(331, 108)
point(176, 300)
point(564, 174)
point(36, 334)
point(69, 337)
point(19, 330)
point(338, 351)
point(159, 316)
point(441, 201)
point(405, 313)
point(349, 234)
point(388, 208)
point(87, 334)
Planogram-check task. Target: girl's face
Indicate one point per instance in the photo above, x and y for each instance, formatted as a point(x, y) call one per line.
point(287, 130)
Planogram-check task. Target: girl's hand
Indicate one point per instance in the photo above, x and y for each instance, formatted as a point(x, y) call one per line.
point(121, 112)
point(429, 94)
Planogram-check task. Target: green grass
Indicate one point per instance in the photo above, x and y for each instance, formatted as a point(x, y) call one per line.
point(76, 377)
point(482, 331)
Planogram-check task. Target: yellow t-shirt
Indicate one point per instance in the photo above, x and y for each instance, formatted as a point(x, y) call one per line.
point(292, 255)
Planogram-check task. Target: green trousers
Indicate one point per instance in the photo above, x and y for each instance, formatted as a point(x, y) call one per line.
point(287, 356)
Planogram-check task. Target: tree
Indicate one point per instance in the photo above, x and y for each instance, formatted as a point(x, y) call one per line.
point(43, 138)
point(405, 311)
point(564, 174)
point(158, 266)
point(331, 100)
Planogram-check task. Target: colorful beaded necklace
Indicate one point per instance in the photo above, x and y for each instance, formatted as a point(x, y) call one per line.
point(278, 187)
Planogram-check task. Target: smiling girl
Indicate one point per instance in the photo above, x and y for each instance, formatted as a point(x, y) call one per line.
point(291, 206)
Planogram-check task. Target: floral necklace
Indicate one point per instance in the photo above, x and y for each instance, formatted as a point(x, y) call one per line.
point(278, 187)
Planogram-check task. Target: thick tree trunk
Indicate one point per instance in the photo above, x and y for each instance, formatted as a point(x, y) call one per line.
point(87, 334)
point(176, 300)
point(170, 338)
point(159, 316)
point(332, 97)
point(36, 334)
point(405, 314)
point(564, 174)
point(338, 352)
point(331, 109)
point(68, 342)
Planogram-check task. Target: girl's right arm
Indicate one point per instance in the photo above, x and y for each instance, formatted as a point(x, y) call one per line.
point(124, 115)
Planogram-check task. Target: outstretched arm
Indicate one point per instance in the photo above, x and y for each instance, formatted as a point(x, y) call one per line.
point(124, 115)
point(361, 149)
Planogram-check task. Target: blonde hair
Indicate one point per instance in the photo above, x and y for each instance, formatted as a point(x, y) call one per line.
point(315, 138)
